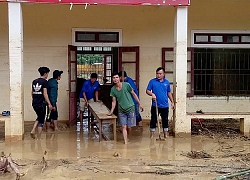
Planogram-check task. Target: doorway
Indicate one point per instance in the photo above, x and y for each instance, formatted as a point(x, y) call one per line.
point(104, 61)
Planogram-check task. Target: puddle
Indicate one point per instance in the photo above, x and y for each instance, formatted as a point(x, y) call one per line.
point(76, 153)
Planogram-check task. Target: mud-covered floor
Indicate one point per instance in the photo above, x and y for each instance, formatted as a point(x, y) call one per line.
point(217, 149)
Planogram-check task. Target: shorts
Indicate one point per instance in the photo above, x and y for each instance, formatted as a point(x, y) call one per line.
point(41, 113)
point(128, 119)
point(51, 115)
point(83, 103)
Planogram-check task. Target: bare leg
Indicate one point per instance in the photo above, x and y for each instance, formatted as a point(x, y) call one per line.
point(129, 132)
point(55, 125)
point(140, 124)
point(165, 134)
point(33, 131)
point(125, 134)
point(40, 129)
point(47, 126)
point(81, 112)
point(34, 127)
point(152, 134)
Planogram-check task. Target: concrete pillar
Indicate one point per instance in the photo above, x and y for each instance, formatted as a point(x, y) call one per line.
point(180, 73)
point(14, 127)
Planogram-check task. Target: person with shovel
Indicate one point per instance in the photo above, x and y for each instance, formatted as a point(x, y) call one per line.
point(159, 89)
point(122, 92)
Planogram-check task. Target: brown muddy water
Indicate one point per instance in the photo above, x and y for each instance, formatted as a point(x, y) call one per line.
point(77, 154)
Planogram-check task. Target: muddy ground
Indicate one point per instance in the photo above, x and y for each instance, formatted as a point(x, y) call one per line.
point(215, 149)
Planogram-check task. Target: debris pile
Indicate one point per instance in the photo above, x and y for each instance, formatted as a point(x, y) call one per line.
point(218, 128)
point(7, 164)
point(198, 155)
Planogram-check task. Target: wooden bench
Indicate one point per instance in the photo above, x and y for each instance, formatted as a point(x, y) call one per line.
point(4, 118)
point(100, 111)
point(243, 116)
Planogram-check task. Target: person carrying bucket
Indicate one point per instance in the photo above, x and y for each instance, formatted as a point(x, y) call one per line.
point(159, 89)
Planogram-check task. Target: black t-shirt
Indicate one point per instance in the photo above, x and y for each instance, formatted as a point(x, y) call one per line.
point(37, 91)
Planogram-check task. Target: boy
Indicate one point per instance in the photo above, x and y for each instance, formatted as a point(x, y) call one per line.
point(53, 94)
point(122, 92)
point(39, 100)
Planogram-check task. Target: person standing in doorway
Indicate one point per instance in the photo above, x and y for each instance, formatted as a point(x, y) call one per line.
point(39, 100)
point(122, 92)
point(89, 90)
point(126, 78)
point(53, 95)
point(159, 89)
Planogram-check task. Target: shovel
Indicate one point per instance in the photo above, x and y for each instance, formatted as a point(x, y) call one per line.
point(158, 124)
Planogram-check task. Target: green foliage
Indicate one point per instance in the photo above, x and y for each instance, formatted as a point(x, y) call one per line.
point(89, 59)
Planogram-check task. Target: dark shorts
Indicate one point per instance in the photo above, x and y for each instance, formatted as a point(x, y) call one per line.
point(41, 113)
point(137, 113)
point(51, 115)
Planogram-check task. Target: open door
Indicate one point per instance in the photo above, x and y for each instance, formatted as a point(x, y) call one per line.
point(72, 66)
point(129, 62)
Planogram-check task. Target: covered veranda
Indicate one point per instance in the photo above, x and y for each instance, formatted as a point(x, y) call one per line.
point(14, 125)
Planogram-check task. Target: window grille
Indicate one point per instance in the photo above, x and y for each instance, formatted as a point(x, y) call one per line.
point(221, 72)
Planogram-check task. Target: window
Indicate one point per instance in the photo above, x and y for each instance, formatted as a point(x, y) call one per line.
point(245, 39)
point(221, 72)
point(168, 64)
point(96, 37)
point(201, 38)
point(216, 39)
point(221, 38)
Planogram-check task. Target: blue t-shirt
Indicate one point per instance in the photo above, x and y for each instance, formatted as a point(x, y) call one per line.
point(132, 84)
point(89, 89)
point(161, 90)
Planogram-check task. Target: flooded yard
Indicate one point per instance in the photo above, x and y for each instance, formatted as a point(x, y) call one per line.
point(73, 153)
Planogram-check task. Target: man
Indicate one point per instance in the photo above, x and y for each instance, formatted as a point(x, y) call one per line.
point(39, 100)
point(159, 89)
point(53, 94)
point(89, 90)
point(122, 92)
point(126, 78)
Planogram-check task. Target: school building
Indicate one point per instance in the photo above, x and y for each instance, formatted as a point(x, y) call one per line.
point(203, 44)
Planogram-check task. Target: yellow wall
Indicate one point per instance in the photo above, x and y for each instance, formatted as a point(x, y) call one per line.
point(218, 15)
point(47, 32)
point(4, 61)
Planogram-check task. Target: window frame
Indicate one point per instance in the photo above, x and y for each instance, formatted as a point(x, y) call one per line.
point(164, 50)
point(224, 38)
point(224, 34)
point(116, 43)
point(207, 50)
point(97, 37)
